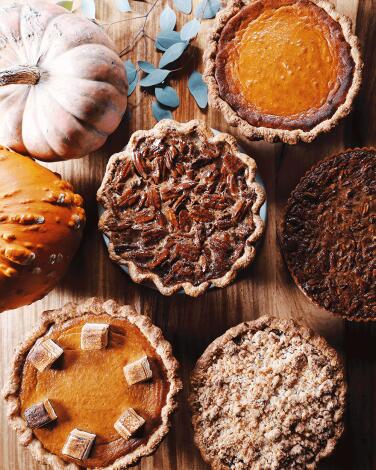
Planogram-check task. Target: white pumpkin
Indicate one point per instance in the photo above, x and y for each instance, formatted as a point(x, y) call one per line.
point(63, 88)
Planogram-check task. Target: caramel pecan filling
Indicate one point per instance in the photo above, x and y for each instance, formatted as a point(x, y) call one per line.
point(180, 208)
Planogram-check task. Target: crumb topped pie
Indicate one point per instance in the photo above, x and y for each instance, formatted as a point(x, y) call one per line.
point(328, 234)
point(282, 70)
point(268, 394)
point(94, 386)
point(181, 207)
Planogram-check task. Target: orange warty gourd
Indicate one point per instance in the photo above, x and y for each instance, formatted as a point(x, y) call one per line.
point(63, 88)
point(41, 224)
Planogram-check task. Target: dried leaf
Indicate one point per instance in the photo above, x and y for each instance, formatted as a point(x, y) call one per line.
point(173, 53)
point(198, 89)
point(145, 66)
point(167, 20)
point(123, 5)
point(166, 39)
point(167, 96)
point(156, 77)
point(159, 112)
point(190, 30)
point(207, 9)
point(68, 5)
point(185, 6)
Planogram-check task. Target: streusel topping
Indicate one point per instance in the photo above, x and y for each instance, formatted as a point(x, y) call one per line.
point(267, 397)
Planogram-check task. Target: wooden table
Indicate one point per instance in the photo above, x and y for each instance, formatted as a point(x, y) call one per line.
point(265, 288)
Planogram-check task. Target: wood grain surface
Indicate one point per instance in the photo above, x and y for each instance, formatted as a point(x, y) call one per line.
point(265, 288)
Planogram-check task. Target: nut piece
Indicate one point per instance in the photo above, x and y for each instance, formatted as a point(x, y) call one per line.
point(40, 414)
point(94, 336)
point(78, 444)
point(45, 354)
point(129, 423)
point(138, 371)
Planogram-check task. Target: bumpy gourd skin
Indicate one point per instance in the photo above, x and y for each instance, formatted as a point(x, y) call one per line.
point(41, 224)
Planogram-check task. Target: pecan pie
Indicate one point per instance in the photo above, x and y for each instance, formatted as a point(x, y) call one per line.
point(328, 234)
point(181, 207)
point(93, 386)
point(282, 70)
point(268, 394)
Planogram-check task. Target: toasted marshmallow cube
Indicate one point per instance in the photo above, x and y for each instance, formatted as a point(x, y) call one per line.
point(44, 354)
point(40, 414)
point(138, 371)
point(78, 444)
point(94, 336)
point(129, 423)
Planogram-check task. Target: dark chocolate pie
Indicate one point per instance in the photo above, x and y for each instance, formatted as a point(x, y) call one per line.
point(328, 234)
point(181, 207)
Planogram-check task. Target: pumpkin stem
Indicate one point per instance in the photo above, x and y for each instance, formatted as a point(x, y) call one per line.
point(20, 74)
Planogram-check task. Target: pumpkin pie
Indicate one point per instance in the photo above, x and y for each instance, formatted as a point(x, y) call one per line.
point(93, 386)
point(328, 234)
point(181, 207)
point(267, 394)
point(282, 70)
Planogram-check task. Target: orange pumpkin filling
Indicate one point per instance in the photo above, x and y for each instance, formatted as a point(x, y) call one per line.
point(88, 390)
point(283, 62)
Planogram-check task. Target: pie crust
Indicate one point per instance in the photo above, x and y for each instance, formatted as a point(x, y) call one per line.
point(199, 140)
point(253, 123)
point(268, 393)
point(327, 234)
point(53, 320)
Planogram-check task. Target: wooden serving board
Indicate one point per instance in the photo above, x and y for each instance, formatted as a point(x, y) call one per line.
point(265, 288)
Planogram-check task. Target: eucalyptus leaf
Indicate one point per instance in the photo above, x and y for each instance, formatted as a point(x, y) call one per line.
point(159, 112)
point(167, 96)
point(156, 77)
point(166, 39)
point(185, 6)
point(173, 53)
point(68, 5)
point(87, 8)
point(130, 70)
point(198, 89)
point(132, 85)
point(190, 30)
point(207, 9)
point(167, 20)
point(123, 5)
point(145, 66)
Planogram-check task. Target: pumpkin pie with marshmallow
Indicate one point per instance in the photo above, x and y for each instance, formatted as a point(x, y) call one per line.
point(282, 70)
point(94, 386)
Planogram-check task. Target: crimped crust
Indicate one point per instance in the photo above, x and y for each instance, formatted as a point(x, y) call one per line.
point(59, 317)
point(336, 309)
point(248, 409)
point(162, 129)
point(271, 134)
